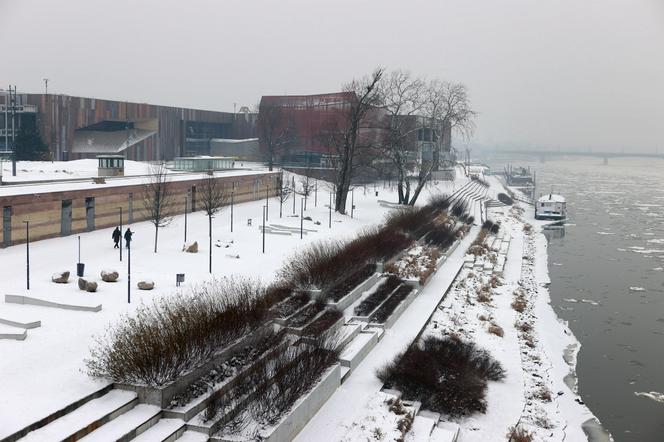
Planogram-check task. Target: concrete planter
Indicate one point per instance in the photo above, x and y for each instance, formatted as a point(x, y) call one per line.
point(301, 413)
point(357, 292)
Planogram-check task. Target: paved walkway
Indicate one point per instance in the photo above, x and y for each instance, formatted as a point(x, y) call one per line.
point(347, 403)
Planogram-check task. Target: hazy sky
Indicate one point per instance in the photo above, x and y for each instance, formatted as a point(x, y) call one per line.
point(543, 73)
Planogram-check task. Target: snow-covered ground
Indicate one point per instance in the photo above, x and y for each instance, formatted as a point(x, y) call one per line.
point(45, 372)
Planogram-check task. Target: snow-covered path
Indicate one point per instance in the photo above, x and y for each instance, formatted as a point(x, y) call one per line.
point(347, 403)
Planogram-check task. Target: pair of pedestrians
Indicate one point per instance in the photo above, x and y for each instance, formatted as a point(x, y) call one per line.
point(117, 234)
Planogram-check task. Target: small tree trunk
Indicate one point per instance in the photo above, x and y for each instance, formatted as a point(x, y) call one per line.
point(156, 233)
point(210, 235)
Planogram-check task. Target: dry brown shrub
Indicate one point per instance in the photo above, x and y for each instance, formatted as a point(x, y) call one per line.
point(523, 326)
point(484, 297)
point(527, 228)
point(544, 394)
point(529, 340)
point(482, 318)
point(496, 330)
point(519, 305)
point(495, 282)
point(516, 434)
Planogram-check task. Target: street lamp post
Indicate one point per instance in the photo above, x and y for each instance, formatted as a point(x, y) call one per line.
point(294, 195)
point(263, 229)
point(120, 235)
point(301, 217)
point(330, 210)
point(352, 202)
point(267, 199)
point(232, 198)
point(185, 219)
point(27, 254)
point(129, 273)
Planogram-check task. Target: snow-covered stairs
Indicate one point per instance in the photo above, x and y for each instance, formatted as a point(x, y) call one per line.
point(116, 415)
point(166, 430)
point(126, 426)
point(84, 419)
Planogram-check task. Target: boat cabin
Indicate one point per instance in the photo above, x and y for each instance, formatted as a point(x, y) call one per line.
point(551, 207)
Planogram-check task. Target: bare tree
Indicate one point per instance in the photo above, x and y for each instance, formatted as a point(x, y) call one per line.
point(403, 98)
point(446, 109)
point(344, 132)
point(307, 189)
point(157, 198)
point(213, 199)
point(284, 193)
point(275, 130)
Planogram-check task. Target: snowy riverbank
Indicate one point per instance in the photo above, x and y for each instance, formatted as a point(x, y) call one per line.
point(536, 349)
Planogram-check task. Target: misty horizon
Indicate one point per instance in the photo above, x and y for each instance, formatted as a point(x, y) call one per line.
point(564, 76)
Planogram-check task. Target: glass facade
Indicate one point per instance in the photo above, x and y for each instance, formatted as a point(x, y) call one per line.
point(199, 164)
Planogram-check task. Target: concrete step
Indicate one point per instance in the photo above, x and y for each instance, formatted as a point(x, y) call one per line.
point(86, 418)
point(445, 432)
point(193, 436)
point(127, 426)
point(166, 430)
point(422, 428)
point(356, 351)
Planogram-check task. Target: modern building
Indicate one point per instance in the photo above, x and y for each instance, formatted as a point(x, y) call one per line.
point(78, 127)
point(298, 124)
point(302, 127)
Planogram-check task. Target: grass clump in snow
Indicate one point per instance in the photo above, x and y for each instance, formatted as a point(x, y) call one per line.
point(497, 330)
point(161, 341)
point(520, 303)
point(446, 375)
point(519, 434)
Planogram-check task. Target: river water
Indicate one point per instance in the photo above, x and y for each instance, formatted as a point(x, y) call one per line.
point(607, 280)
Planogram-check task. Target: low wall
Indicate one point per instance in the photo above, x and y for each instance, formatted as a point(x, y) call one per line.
point(44, 209)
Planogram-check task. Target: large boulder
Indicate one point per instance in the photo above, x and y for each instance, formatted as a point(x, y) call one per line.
point(191, 248)
point(146, 285)
point(60, 277)
point(88, 286)
point(109, 275)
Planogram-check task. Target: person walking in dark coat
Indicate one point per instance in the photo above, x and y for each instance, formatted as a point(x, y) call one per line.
point(117, 234)
point(127, 236)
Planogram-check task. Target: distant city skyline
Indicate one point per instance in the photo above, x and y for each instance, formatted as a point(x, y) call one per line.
point(568, 74)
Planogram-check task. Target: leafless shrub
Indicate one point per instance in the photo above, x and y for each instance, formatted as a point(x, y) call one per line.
point(321, 263)
point(496, 330)
point(161, 341)
point(523, 326)
point(446, 375)
point(519, 305)
point(268, 391)
point(543, 394)
point(519, 434)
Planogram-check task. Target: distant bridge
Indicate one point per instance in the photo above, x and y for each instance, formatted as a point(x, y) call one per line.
point(545, 154)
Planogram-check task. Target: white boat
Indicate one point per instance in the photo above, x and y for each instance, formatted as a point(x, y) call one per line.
point(551, 207)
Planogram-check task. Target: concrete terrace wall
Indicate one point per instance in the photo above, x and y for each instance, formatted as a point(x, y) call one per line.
point(44, 210)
